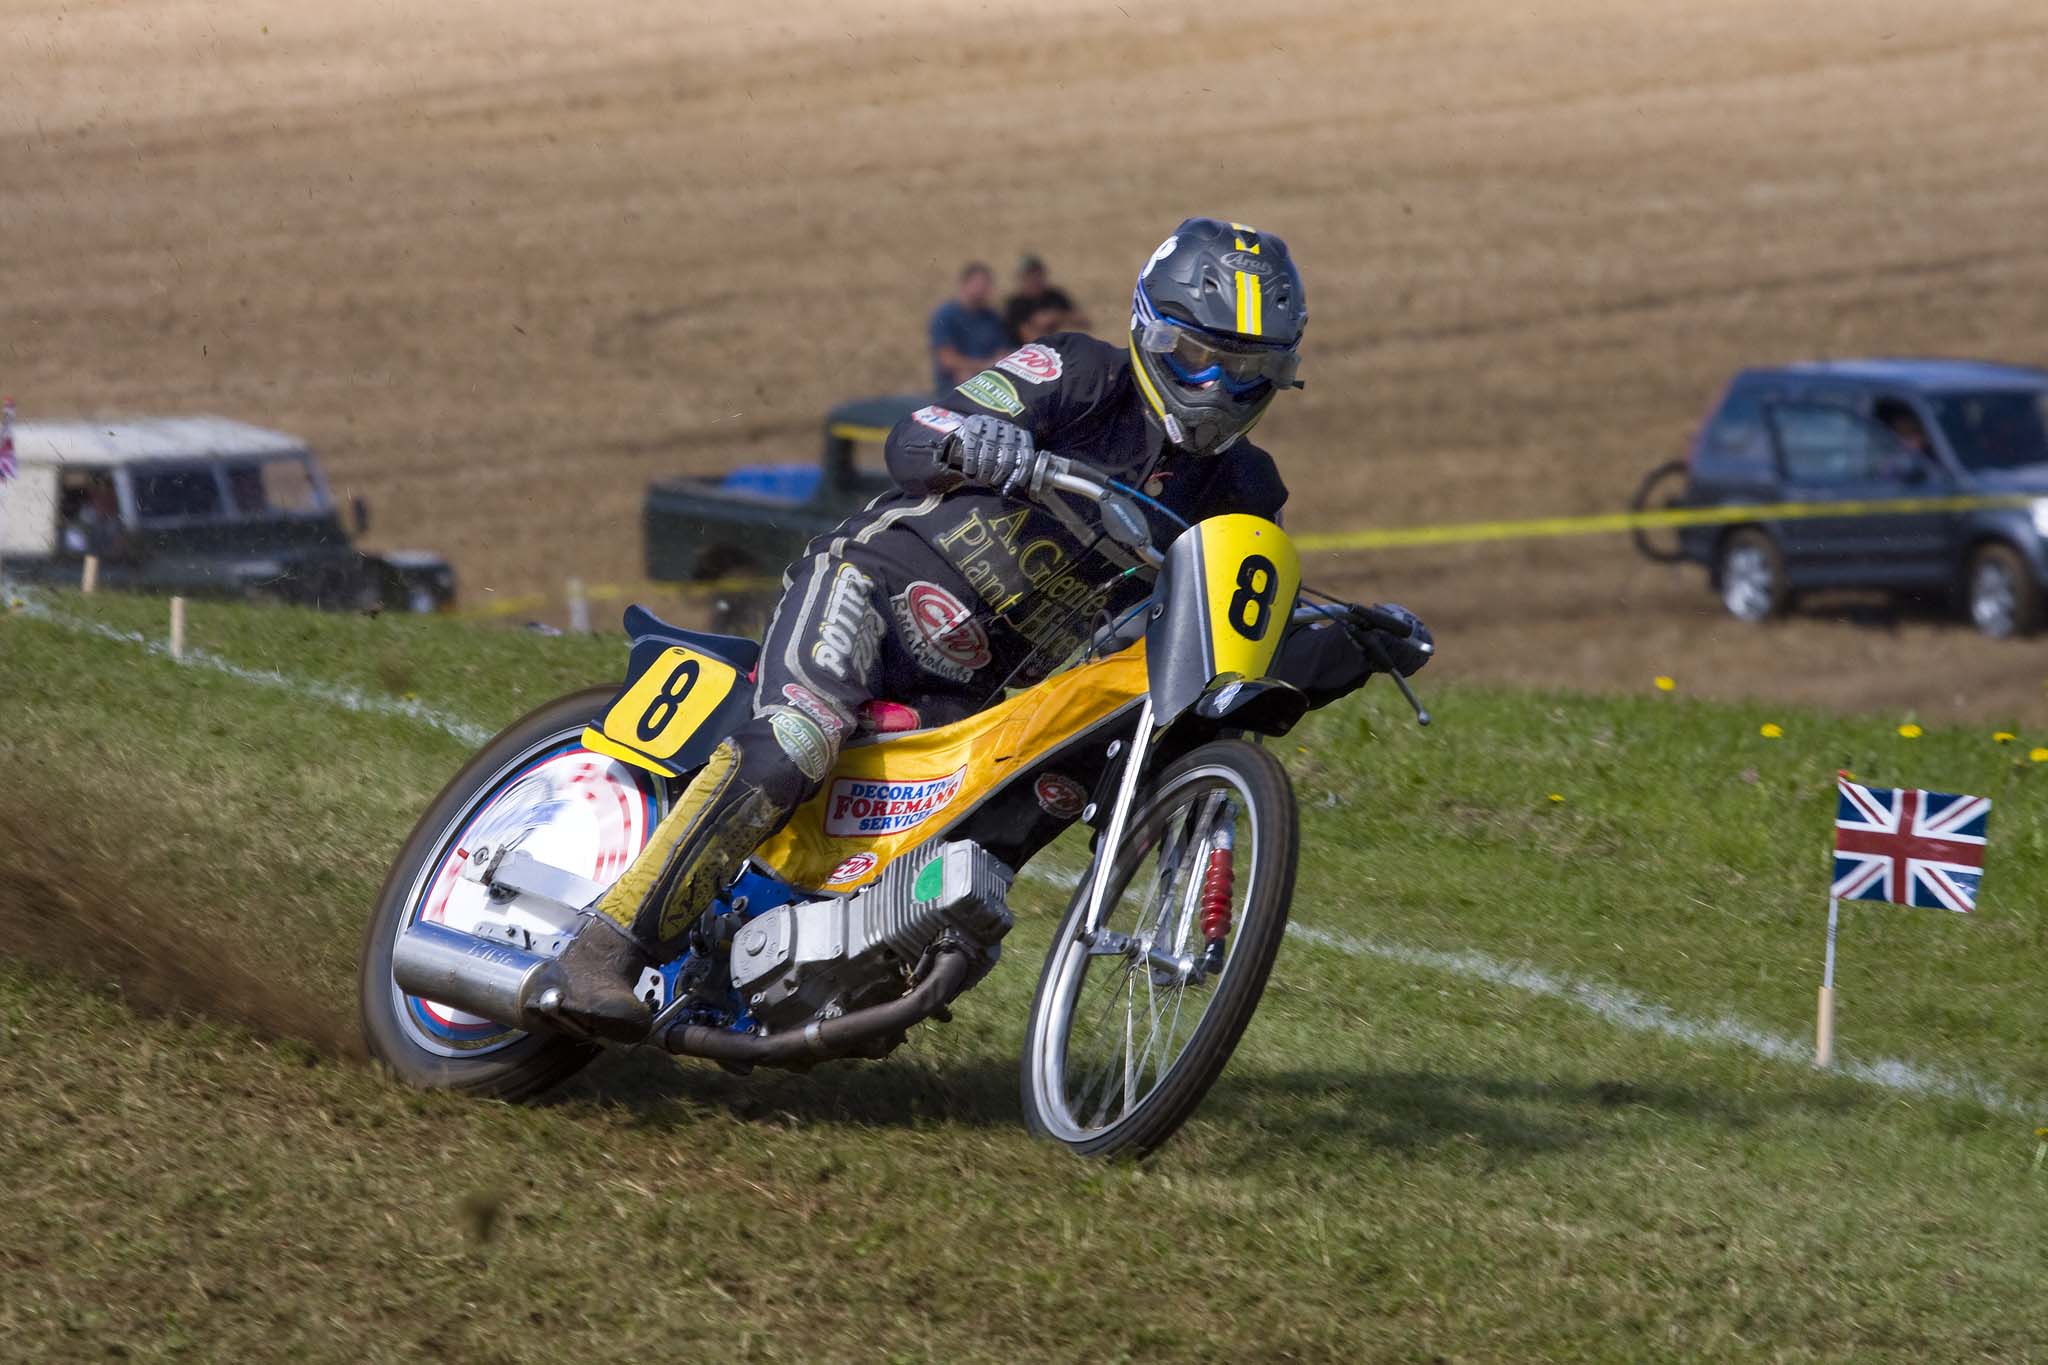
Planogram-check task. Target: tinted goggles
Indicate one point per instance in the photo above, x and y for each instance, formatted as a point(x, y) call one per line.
point(1196, 358)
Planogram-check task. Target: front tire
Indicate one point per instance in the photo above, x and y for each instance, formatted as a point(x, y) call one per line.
point(2003, 599)
point(573, 808)
point(1087, 1083)
point(1750, 574)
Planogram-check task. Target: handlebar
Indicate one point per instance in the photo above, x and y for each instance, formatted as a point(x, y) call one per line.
point(1384, 622)
point(1073, 476)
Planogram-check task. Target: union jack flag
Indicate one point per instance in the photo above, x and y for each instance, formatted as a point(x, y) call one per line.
point(1909, 847)
point(7, 465)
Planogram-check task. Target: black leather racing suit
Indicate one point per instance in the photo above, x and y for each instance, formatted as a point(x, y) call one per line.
point(937, 595)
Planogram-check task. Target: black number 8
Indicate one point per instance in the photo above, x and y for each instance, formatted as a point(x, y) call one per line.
point(668, 701)
point(1251, 607)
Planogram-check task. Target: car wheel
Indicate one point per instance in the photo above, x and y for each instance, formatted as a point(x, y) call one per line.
point(1751, 576)
point(2003, 598)
point(1660, 491)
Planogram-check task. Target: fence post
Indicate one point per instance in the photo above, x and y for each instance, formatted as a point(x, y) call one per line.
point(177, 627)
point(89, 576)
point(579, 608)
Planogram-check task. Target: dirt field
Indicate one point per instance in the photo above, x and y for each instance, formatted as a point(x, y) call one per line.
point(505, 263)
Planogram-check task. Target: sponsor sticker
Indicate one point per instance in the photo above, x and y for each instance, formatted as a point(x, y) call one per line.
point(1034, 364)
point(804, 742)
point(857, 806)
point(816, 707)
point(853, 869)
point(851, 631)
point(938, 419)
point(993, 391)
point(1248, 263)
point(1059, 796)
point(942, 623)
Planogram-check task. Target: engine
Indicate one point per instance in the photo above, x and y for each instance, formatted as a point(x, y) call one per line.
point(823, 958)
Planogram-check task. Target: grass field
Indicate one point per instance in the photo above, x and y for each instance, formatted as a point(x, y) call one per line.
point(1527, 1083)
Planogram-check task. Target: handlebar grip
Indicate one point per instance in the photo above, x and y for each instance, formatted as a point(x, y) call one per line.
point(1384, 622)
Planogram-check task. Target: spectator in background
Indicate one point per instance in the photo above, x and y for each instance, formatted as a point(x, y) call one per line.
point(1039, 306)
point(967, 334)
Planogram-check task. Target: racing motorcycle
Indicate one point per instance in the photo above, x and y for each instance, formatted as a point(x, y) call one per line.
point(886, 895)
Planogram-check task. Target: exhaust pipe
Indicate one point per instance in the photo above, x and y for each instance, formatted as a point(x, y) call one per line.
point(822, 1039)
point(475, 975)
point(482, 977)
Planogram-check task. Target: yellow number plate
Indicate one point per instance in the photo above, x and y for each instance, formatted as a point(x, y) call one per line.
point(661, 710)
point(1252, 573)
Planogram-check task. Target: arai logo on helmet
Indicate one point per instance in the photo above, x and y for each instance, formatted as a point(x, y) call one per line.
point(1248, 263)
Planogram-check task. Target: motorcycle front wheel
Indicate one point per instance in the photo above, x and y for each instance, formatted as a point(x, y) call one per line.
point(537, 788)
point(1127, 1030)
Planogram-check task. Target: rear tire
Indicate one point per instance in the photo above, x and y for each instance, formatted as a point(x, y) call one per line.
point(1749, 573)
point(1659, 490)
point(400, 1030)
point(2000, 594)
point(1067, 999)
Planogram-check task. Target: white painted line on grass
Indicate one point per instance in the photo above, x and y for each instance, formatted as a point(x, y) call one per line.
point(1629, 1011)
point(29, 604)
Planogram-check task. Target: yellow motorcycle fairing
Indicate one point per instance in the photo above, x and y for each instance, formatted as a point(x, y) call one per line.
point(887, 797)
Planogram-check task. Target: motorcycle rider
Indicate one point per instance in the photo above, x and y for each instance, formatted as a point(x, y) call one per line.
point(972, 576)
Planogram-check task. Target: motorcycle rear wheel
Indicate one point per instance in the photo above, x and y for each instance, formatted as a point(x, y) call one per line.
point(1088, 1082)
point(571, 807)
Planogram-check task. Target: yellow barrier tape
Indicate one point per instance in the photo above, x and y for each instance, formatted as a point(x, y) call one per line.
point(614, 592)
point(1473, 532)
point(847, 431)
point(1396, 537)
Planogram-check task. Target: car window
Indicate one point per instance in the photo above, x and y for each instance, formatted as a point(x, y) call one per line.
point(264, 487)
point(1995, 430)
point(1819, 443)
point(1737, 431)
point(172, 494)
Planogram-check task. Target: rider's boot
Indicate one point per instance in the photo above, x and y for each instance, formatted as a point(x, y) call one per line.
point(699, 847)
point(598, 975)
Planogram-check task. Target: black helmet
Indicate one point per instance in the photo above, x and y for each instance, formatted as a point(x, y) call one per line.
point(1216, 321)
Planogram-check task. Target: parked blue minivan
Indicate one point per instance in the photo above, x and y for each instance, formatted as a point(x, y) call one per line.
point(1877, 432)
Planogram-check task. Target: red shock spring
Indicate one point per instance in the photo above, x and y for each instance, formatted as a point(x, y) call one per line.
point(1216, 892)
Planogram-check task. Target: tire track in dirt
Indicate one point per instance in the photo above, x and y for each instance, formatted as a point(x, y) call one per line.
point(63, 909)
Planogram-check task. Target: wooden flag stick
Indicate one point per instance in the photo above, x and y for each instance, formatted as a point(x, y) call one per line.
point(89, 575)
point(1824, 1018)
point(177, 627)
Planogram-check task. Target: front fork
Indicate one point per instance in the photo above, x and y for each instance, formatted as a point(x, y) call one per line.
point(1214, 881)
point(1119, 817)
